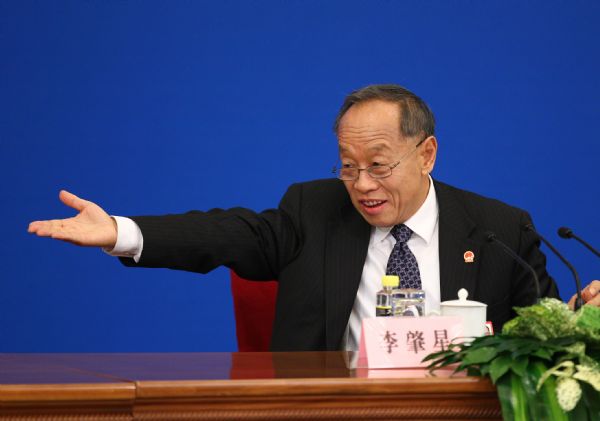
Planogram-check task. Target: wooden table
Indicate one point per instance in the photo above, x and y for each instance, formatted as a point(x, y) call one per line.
point(230, 386)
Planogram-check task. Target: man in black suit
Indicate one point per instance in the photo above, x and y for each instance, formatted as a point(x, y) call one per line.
point(329, 240)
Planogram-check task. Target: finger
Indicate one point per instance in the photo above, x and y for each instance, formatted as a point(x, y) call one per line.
point(41, 228)
point(34, 226)
point(58, 229)
point(71, 200)
point(571, 302)
point(65, 236)
point(594, 301)
point(590, 291)
point(49, 228)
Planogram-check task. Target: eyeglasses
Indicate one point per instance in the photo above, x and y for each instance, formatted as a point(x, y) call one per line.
point(374, 171)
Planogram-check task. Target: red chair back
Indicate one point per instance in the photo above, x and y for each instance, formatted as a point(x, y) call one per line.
point(254, 308)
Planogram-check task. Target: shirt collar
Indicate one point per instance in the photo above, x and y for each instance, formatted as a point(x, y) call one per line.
point(422, 223)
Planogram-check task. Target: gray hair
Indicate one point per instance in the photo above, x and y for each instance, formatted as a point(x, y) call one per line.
point(416, 119)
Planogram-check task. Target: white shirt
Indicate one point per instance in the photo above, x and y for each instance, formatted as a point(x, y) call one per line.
point(130, 241)
point(423, 243)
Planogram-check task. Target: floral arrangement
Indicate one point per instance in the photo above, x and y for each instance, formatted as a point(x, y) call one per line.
point(545, 363)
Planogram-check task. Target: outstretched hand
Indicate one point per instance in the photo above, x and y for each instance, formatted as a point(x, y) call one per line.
point(91, 227)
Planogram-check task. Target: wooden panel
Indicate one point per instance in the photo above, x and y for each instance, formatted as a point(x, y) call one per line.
point(426, 398)
point(67, 402)
point(36, 387)
point(223, 386)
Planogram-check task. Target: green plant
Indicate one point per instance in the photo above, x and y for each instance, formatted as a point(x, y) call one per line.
point(545, 363)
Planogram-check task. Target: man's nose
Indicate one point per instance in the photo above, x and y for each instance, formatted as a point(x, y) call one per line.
point(365, 183)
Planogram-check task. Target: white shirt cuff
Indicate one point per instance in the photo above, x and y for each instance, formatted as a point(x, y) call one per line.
point(130, 241)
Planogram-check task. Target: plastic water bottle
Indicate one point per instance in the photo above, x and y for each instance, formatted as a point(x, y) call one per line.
point(385, 298)
point(408, 302)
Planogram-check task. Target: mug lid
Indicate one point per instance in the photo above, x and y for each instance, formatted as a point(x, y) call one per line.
point(462, 301)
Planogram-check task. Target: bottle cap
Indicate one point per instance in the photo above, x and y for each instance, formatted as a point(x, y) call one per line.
point(390, 281)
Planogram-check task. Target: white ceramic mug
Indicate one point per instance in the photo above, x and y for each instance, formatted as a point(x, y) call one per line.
point(473, 313)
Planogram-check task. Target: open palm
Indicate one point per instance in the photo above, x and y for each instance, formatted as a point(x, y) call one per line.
point(90, 227)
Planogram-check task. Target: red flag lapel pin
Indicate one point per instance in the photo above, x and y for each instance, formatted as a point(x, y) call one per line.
point(469, 256)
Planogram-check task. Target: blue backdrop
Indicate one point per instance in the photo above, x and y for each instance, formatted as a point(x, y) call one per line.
point(163, 106)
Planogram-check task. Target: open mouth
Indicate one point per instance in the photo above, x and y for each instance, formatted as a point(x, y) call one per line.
point(372, 206)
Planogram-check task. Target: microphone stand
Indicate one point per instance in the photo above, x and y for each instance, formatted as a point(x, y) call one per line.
point(567, 233)
point(491, 237)
point(578, 300)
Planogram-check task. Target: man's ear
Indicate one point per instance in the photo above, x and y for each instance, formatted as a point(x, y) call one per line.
point(427, 153)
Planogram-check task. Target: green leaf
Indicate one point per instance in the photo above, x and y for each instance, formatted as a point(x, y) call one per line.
point(536, 406)
point(542, 353)
point(579, 413)
point(488, 340)
point(547, 401)
point(591, 399)
point(499, 367)
point(505, 396)
point(519, 365)
point(444, 361)
point(526, 349)
point(549, 319)
point(588, 319)
point(463, 366)
point(576, 349)
point(518, 397)
point(440, 354)
point(479, 356)
point(473, 371)
point(510, 345)
point(449, 361)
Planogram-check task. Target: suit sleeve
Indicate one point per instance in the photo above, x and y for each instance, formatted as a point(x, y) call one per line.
point(523, 285)
point(255, 245)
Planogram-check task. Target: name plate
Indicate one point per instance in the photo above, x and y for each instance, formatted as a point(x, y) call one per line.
point(402, 342)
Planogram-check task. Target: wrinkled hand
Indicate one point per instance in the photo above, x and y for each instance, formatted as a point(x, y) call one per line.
point(92, 227)
point(590, 295)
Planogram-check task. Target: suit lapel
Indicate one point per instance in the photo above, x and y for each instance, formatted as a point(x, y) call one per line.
point(346, 251)
point(455, 229)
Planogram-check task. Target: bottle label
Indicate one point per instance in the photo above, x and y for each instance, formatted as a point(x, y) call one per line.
point(383, 311)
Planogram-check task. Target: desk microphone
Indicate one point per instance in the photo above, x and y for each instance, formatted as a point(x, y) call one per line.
point(578, 300)
point(491, 237)
point(565, 232)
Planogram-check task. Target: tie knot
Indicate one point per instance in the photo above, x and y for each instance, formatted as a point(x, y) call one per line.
point(401, 233)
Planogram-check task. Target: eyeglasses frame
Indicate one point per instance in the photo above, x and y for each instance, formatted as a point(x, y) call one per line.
point(369, 169)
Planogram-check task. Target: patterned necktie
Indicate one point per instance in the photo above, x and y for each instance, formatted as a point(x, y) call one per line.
point(402, 262)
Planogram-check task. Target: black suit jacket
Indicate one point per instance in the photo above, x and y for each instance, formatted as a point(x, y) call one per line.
point(315, 245)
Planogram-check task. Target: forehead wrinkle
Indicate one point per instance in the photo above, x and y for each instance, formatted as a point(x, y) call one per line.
point(378, 149)
point(366, 135)
point(379, 146)
point(371, 144)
